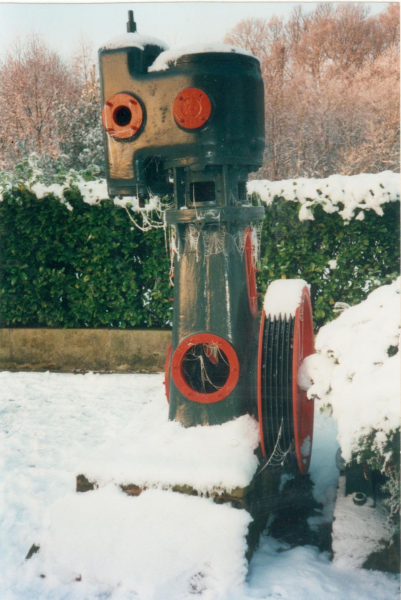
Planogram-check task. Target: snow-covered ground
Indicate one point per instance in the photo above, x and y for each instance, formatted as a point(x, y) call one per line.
point(50, 423)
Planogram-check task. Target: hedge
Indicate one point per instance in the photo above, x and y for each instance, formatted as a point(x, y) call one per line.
point(86, 267)
point(90, 267)
point(366, 253)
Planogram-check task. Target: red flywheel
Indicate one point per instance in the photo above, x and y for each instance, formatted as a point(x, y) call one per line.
point(286, 339)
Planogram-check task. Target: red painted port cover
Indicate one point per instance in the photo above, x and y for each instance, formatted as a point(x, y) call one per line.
point(192, 108)
point(122, 116)
point(205, 339)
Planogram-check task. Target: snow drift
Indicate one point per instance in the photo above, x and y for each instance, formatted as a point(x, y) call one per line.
point(356, 370)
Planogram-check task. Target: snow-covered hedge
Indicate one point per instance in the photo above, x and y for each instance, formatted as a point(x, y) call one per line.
point(344, 194)
point(75, 259)
point(71, 259)
point(340, 234)
point(356, 373)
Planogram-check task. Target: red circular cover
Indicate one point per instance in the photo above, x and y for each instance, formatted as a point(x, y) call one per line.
point(178, 377)
point(303, 409)
point(192, 108)
point(109, 113)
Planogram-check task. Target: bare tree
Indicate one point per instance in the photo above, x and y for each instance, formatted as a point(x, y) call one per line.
point(34, 81)
point(84, 60)
point(332, 89)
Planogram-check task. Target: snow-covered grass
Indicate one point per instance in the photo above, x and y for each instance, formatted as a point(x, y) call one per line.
point(303, 573)
point(344, 194)
point(159, 546)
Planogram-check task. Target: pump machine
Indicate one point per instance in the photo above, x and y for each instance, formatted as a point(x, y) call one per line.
point(192, 126)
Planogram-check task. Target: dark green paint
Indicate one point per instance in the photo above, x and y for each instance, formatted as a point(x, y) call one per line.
point(233, 135)
point(209, 173)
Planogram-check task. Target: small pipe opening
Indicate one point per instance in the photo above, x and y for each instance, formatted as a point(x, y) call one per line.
point(122, 116)
point(205, 368)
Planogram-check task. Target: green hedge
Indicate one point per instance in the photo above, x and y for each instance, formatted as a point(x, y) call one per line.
point(86, 267)
point(367, 253)
point(90, 267)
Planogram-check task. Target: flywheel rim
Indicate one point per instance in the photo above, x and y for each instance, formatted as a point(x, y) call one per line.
point(285, 413)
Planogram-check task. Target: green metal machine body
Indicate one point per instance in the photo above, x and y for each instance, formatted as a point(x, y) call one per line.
point(197, 132)
point(191, 125)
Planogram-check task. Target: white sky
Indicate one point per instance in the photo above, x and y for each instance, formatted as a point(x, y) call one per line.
point(177, 23)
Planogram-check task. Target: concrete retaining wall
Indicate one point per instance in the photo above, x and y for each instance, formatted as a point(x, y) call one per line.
point(83, 349)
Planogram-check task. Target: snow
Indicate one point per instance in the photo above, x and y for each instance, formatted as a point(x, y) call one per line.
point(280, 572)
point(132, 202)
point(164, 60)
point(323, 469)
point(338, 193)
point(353, 372)
point(344, 194)
point(283, 297)
point(92, 193)
point(151, 451)
point(158, 546)
point(352, 545)
point(133, 40)
point(163, 537)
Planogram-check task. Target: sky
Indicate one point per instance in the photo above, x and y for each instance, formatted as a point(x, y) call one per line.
point(177, 23)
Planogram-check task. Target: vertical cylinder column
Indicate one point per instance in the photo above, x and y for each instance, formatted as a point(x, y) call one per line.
point(215, 332)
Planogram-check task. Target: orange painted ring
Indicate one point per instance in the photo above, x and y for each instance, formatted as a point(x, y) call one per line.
point(303, 408)
point(122, 116)
point(192, 108)
point(178, 377)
